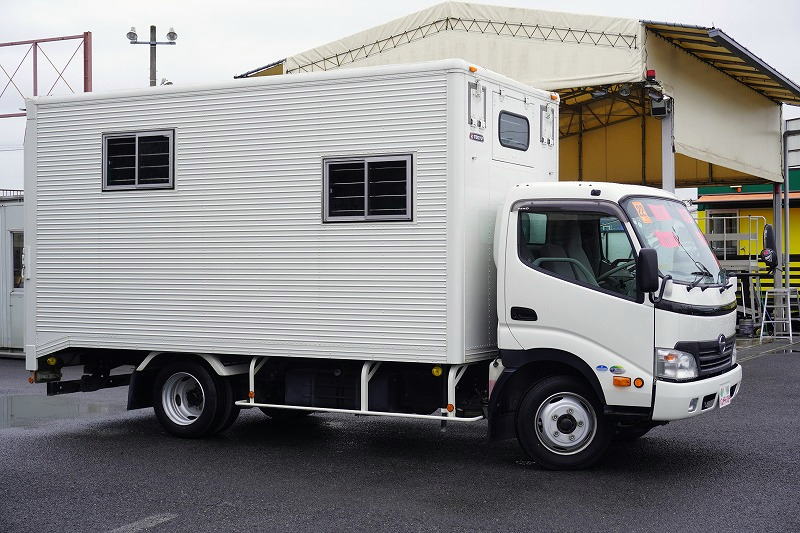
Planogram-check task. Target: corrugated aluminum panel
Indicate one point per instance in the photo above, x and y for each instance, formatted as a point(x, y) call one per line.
point(236, 258)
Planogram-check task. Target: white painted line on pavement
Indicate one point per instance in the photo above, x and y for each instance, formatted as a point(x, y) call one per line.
point(145, 523)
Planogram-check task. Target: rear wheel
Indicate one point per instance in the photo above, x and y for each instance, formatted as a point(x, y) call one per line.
point(560, 424)
point(187, 399)
point(227, 410)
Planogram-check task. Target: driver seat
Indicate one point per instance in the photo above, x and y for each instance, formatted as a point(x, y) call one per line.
point(564, 240)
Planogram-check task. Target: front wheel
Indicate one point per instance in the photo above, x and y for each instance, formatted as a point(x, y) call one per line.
point(560, 424)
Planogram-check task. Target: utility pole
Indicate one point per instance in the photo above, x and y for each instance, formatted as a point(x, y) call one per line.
point(152, 43)
point(152, 56)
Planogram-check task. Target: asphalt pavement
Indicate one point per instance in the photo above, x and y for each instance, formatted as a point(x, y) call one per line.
point(82, 463)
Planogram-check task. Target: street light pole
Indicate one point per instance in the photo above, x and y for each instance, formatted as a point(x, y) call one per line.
point(134, 39)
point(152, 56)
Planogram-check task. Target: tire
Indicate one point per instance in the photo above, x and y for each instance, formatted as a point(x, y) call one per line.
point(227, 410)
point(560, 424)
point(186, 399)
point(284, 415)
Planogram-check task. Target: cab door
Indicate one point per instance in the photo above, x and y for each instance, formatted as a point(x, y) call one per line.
point(570, 285)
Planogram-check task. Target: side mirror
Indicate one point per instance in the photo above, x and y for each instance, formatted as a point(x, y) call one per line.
point(647, 270)
point(769, 257)
point(769, 237)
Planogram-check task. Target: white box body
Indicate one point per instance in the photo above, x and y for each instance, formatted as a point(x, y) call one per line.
point(237, 259)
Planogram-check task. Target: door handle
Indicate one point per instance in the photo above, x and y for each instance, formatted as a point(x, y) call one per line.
point(523, 313)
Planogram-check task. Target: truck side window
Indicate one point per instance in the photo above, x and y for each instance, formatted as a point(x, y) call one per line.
point(514, 131)
point(534, 228)
point(367, 189)
point(138, 160)
point(17, 247)
point(614, 241)
point(591, 249)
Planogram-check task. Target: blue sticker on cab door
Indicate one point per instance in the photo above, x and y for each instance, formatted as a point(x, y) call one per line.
point(601, 368)
point(616, 369)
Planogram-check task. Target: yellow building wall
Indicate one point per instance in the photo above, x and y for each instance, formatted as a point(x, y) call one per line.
point(749, 247)
point(766, 213)
point(614, 154)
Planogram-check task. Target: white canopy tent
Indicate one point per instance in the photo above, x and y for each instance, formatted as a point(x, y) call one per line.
point(725, 124)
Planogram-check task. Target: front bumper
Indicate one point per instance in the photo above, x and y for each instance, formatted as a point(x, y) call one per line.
point(672, 400)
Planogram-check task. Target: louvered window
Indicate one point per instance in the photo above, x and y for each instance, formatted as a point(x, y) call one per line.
point(368, 188)
point(138, 160)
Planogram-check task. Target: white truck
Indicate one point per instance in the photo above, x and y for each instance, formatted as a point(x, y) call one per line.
point(381, 241)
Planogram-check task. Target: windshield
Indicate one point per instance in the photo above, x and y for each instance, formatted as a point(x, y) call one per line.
point(683, 251)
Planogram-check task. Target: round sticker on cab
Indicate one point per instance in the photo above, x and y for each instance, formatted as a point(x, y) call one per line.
point(601, 368)
point(616, 369)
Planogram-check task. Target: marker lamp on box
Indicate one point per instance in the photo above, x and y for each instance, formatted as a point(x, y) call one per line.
point(675, 364)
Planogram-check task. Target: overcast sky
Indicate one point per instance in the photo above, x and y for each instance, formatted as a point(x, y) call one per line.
point(219, 39)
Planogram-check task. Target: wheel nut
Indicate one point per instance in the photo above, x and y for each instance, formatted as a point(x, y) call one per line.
point(555, 417)
point(572, 437)
point(580, 423)
point(555, 433)
point(569, 411)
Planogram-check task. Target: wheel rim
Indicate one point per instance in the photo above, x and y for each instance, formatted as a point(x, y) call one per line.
point(565, 423)
point(183, 398)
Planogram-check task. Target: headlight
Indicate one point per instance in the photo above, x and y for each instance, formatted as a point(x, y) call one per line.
point(675, 364)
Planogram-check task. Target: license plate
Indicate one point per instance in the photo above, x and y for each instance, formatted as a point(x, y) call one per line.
point(724, 395)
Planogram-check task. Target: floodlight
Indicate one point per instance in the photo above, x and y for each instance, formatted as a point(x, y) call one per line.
point(131, 35)
point(171, 35)
point(655, 95)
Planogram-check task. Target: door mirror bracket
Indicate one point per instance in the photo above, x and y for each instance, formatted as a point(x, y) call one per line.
point(656, 299)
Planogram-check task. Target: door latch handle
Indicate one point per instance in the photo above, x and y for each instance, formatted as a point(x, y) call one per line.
point(523, 313)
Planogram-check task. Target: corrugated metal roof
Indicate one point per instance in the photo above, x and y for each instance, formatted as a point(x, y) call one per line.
point(715, 47)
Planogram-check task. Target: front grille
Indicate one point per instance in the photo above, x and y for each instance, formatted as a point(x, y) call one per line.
point(710, 360)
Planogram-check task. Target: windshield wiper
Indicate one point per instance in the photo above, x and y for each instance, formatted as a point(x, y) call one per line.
point(696, 281)
point(703, 269)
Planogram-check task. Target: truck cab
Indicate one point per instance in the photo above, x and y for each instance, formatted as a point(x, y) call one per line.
point(623, 352)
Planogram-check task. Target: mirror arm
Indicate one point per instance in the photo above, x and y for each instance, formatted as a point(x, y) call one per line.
point(656, 299)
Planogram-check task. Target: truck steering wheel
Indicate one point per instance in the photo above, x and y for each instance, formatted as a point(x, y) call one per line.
point(623, 266)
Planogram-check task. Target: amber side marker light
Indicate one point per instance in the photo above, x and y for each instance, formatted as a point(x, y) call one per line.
point(436, 371)
point(473, 69)
point(450, 407)
point(622, 381)
point(638, 383)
